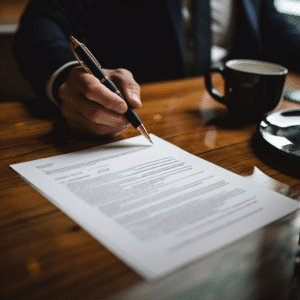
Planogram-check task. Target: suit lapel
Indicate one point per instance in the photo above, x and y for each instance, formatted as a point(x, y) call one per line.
point(250, 10)
point(203, 36)
point(202, 31)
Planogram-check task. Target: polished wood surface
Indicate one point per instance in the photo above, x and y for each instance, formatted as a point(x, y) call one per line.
point(45, 255)
point(11, 11)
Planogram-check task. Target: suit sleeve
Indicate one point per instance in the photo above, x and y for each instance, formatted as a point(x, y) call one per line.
point(281, 39)
point(41, 45)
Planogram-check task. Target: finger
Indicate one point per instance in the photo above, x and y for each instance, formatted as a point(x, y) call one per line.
point(94, 129)
point(93, 111)
point(128, 86)
point(95, 91)
point(79, 123)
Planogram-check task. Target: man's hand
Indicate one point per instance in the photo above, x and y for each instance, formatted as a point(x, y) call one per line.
point(89, 106)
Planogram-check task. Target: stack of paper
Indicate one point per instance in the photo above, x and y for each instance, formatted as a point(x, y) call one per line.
point(156, 206)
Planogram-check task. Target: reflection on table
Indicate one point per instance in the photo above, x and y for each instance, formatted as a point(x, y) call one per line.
point(46, 255)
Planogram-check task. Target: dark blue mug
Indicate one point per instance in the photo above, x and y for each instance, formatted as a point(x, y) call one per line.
point(252, 88)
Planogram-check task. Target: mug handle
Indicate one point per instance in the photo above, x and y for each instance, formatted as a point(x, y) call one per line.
point(208, 83)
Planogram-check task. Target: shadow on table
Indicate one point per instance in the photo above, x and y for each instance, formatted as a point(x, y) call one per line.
point(61, 135)
point(220, 117)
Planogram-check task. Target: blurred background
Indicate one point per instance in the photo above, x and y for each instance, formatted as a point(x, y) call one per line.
point(10, 12)
point(291, 8)
point(11, 82)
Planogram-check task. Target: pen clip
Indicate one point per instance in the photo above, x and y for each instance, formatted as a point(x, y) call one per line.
point(81, 62)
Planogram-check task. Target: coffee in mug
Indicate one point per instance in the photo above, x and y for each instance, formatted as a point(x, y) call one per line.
point(252, 88)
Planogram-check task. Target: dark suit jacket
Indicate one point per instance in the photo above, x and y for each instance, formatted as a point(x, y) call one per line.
point(145, 37)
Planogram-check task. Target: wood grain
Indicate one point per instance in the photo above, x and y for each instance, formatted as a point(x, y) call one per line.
point(46, 255)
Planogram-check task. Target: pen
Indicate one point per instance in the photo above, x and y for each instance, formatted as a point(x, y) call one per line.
point(92, 66)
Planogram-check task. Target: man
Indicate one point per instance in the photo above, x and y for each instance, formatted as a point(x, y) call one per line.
point(155, 40)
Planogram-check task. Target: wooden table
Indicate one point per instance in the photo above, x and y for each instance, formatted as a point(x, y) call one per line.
point(46, 255)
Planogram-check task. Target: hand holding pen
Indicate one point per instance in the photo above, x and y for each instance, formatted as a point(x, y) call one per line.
point(89, 106)
point(100, 106)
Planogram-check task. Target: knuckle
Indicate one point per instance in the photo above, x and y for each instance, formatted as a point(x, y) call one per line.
point(73, 75)
point(120, 72)
point(134, 86)
point(92, 115)
point(78, 70)
point(120, 122)
point(62, 91)
point(73, 72)
point(88, 88)
point(110, 105)
point(64, 111)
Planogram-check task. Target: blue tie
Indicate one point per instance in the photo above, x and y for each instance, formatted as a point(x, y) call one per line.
point(202, 32)
point(203, 39)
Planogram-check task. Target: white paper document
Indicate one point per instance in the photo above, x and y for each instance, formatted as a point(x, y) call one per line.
point(156, 206)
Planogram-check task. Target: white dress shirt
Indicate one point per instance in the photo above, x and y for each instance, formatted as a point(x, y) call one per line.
point(223, 15)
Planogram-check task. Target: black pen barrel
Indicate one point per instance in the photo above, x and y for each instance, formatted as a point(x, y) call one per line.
point(130, 114)
point(90, 62)
point(132, 117)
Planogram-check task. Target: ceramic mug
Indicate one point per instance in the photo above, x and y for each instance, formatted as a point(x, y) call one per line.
point(252, 88)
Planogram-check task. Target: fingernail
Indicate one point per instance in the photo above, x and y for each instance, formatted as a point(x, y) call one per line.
point(123, 108)
point(136, 98)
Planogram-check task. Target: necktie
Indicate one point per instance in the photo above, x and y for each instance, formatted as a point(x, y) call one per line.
point(202, 33)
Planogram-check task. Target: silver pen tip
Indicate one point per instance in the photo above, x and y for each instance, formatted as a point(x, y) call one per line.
point(144, 132)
